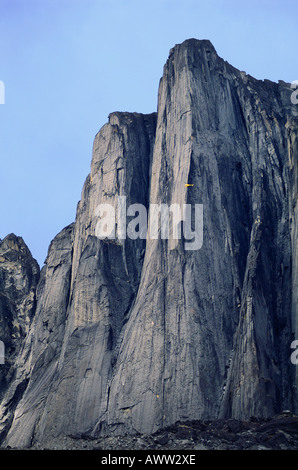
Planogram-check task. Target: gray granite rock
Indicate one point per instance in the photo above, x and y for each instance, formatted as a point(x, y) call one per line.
point(132, 336)
point(19, 276)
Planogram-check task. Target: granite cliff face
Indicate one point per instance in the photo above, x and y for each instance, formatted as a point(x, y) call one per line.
point(19, 275)
point(133, 335)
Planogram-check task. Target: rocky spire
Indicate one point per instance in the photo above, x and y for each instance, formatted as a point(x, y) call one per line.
point(135, 334)
point(19, 275)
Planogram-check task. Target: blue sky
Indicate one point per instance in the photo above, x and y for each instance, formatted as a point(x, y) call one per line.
point(66, 64)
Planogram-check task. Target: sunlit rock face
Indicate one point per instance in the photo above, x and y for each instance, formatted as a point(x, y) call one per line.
point(132, 335)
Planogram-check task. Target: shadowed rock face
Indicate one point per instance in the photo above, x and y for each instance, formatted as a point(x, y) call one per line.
point(135, 335)
point(19, 275)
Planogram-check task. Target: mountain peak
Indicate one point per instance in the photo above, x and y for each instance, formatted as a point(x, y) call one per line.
point(135, 334)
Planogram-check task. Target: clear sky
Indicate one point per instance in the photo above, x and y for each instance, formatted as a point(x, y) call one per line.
point(66, 64)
